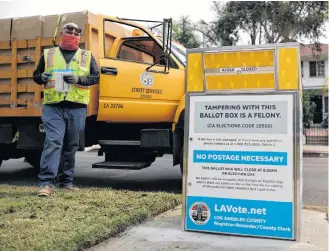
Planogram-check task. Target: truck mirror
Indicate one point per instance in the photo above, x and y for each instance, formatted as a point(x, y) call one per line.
point(167, 38)
point(166, 41)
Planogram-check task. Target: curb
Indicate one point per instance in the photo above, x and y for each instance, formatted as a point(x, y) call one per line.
point(315, 154)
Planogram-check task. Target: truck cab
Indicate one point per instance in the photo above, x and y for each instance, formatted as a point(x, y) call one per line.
point(141, 87)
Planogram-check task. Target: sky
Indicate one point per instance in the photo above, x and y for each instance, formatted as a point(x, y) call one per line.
point(138, 9)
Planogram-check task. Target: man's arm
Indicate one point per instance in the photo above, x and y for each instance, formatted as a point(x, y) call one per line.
point(93, 78)
point(39, 70)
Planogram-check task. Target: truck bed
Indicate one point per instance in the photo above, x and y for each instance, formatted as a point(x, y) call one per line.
point(20, 49)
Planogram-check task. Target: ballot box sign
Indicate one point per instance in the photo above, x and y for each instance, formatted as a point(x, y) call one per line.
point(240, 175)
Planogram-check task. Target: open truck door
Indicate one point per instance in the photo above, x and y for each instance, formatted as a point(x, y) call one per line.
point(141, 81)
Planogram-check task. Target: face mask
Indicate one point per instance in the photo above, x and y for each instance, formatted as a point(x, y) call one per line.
point(69, 42)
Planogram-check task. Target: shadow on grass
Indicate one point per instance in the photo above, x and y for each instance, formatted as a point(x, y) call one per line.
point(17, 195)
point(158, 185)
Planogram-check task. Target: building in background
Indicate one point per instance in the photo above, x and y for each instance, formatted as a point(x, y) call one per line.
point(314, 70)
point(314, 75)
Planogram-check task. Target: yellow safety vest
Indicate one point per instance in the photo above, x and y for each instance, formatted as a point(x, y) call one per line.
point(79, 65)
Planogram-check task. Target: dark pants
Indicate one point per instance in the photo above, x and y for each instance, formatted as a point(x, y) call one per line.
point(63, 128)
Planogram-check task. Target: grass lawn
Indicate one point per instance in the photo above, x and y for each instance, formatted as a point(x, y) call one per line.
point(72, 220)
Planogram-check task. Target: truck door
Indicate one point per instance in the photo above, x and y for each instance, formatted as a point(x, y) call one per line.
point(128, 91)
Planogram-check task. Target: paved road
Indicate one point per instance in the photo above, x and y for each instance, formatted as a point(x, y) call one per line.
point(160, 176)
point(315, 181)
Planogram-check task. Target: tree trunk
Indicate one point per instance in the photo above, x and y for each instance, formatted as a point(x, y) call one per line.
point(253, 39)
point(254, 33)
point(260, 33)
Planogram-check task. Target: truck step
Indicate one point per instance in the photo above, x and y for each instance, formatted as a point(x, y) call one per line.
point(130, 165)
point(119, 142)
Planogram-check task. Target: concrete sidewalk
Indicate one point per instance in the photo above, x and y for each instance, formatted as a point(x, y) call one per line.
point(315, 150)
point(165, 233)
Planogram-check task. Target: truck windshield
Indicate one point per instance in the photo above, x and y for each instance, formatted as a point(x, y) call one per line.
point(179, 51)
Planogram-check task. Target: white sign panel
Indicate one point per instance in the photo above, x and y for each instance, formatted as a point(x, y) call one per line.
point(240, 165)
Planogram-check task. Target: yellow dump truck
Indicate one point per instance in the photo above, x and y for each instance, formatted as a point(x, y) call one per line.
point(133, 109)
point(136, 112)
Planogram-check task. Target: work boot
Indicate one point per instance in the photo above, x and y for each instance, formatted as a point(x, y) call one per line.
point(69, 187)
point(44, 190)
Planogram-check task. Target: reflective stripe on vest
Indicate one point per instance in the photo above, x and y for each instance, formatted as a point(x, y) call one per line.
point(50, 58)
point(83, 58)
point(79, 65)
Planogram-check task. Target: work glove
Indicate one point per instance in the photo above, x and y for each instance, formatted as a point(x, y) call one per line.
point(45, 76)
point(71, 79)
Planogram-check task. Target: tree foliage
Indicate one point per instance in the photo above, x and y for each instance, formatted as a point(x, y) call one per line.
point(267, 21)
point(184, 33)
point(223, 30)
point(308, 107)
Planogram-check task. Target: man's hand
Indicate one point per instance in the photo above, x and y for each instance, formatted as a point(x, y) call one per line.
point(45, 76)
point(71, 79)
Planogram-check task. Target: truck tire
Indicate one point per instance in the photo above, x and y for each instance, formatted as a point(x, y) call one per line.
point(0, 162)
point(34, 159)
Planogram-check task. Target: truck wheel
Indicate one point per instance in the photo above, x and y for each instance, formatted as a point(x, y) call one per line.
point(34, 159)
point(0, 162)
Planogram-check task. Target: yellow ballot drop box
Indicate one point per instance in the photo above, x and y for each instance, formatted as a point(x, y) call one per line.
point(242, 168)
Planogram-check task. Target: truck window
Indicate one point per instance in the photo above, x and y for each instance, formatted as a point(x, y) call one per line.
point(130, 52)
point(142, 50)
point(135, 45)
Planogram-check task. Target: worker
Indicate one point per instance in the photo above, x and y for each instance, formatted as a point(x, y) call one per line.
point(63, 113)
